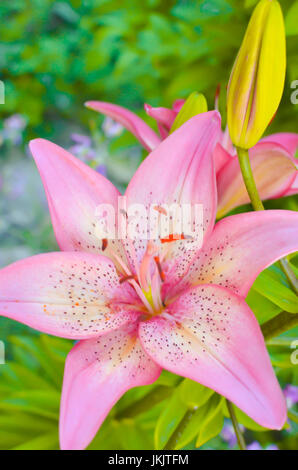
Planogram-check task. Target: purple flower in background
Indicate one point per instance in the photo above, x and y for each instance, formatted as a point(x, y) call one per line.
point(111, 128)
point(255, 445)
point(228, 435)
point(82, 147)
point(272, 447)
point(13, 128)
point(15, 122)
point(101, 169)
point(291, 394)
point(81, 139)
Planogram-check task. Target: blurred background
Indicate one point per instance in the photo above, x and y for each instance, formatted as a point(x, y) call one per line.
point(54, 56)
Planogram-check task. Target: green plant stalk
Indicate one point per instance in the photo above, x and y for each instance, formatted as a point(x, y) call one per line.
point(172, 442)
point(279, 324)
point(257, 204)
point(293, 281)
point(248, 179)
point(239, 436)
point(154, 397)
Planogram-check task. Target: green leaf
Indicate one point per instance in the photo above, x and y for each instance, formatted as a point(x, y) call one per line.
point(131, 436)
point(211, 428)
point(199, 420)
point(263, 308)
point(292, 260)
point(52, 369)
point(48, 441)
point(107, 437)
point(17, 375)
point(193, 394)
point(41, 402)
point(291, 20)
point(169, 419)
point(10, 439)
point(271, 284)
point(168, 379)
point(26, 424)
point(281, 359)
point(250, 3)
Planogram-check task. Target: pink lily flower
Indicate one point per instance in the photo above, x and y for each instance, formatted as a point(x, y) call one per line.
point(194, 323)
point(273, 159)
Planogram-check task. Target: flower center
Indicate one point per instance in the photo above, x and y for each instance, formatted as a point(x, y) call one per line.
point(146, 277)
point(149, 279)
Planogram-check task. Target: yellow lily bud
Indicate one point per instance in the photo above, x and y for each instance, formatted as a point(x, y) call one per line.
point(257, 79)
point(195, 104)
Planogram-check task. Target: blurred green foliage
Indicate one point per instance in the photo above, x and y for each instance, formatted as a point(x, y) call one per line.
point(54, 55)
point(145, 418)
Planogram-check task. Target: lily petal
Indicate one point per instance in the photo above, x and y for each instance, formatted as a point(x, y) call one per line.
point(221, 157)
point(293, 189)
point(163, 116)
point(288, 140)
point(211, 336)
point(242, 246)
point(75, 192)
point(97, 373)
point(72, 295)
point(273, 169)
point(177, 105)
point(133, 123)
point(180, 171)
point(163, 131)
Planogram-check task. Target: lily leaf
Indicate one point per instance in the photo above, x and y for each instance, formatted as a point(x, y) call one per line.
point(200, 420)
point(291, 22)
point(211, 428)
point(193, 394)
point(169, 420)
point(262, 307)
point(47, 441)
point(271, 284)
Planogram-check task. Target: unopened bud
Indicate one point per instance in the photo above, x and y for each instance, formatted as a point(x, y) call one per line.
point(257, 79)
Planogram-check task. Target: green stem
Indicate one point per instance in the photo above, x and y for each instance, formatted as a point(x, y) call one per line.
point(240, 438)
point(285, 266)
point(172, 442)
point(157, 395)
point(279, 324)
point(257, 204)
point(248, 179)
